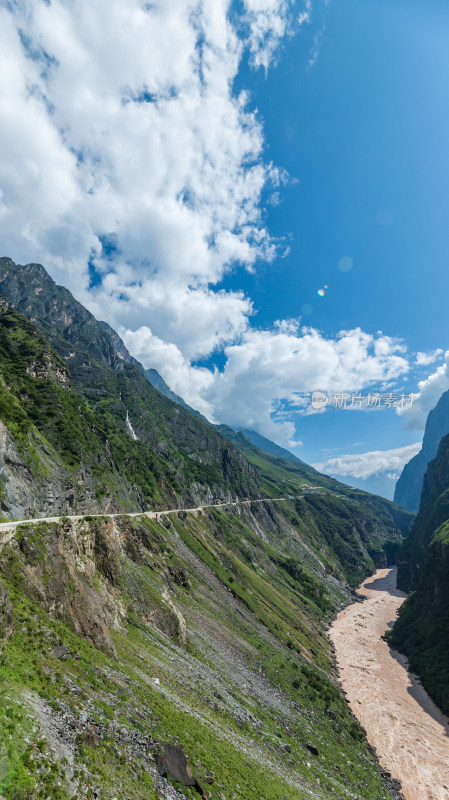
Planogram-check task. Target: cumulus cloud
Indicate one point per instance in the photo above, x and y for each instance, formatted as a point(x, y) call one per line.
point(367, 465)
point(424, 359)
point(120, 125)
point(132, 170)
point(267, 373)
point(429, 392)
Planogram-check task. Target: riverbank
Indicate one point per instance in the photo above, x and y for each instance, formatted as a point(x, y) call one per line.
point(409, 733)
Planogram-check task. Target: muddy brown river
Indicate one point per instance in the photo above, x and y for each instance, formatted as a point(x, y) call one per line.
point(410, 734)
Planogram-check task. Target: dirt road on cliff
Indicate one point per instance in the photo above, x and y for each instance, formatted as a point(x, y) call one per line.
point(410, 734)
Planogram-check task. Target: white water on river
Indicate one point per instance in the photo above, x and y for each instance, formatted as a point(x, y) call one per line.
point(409, 732)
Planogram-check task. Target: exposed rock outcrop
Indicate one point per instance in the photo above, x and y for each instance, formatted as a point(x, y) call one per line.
point(409, 486)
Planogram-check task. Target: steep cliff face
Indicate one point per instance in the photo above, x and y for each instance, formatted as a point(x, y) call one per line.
point(422, 629)
point(176, 458)
point(409, 486)
point(128, 646)
point(434, 510)
point(51, 451)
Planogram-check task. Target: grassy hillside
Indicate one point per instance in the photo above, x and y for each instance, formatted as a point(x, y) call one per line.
point(361, 531)
point(120, 636)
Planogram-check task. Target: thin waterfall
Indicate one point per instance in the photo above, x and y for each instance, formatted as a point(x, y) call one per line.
point(131, 430)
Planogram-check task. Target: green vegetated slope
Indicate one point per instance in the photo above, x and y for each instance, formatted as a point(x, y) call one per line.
point(177, 459)
point(360, 530)
point(121, 635)
point(422, 628)
point(78, 452)
point(434, 510)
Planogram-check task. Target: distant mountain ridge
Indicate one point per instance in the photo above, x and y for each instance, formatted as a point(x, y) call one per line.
point(270, 447)
point(255, 438)
point(410, 483)
point(158, 382)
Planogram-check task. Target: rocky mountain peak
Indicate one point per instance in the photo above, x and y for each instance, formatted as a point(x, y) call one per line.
point(409, 486)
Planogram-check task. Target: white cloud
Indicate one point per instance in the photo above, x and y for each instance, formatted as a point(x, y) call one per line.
point(122, 122)
point(266, 371)
point(424, 359)
point(305, 16)
point(317, 44)
point(123, 144)
point(430, 391)
point(192, 383)
point(366, 465)
point(269, 22)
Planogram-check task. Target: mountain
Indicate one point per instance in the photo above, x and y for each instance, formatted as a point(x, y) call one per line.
point(176, 459)
point(433, 512)
point(409, 486)
point(152, 375)
point(255, 438)
point(185, 657)
point(158, 382)
point(270, 447)
point(141, 449)
point(422, 628)
point(358, 528)
point(119, 345)
point(180, 655)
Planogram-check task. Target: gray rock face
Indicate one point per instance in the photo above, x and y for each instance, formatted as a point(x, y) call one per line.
point(49, 491)
point(60, 652)
point(409, 486)
point(172, 762)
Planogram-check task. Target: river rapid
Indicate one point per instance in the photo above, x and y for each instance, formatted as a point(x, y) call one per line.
point(410, 734)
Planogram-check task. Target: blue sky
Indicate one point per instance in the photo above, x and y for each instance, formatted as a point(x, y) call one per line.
point(365, 131)
point(195, 172)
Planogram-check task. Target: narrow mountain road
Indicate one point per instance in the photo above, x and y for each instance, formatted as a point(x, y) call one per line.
point(409, 732)
point(10, 527)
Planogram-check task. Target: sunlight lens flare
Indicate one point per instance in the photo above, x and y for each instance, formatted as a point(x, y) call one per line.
point(345, 264)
